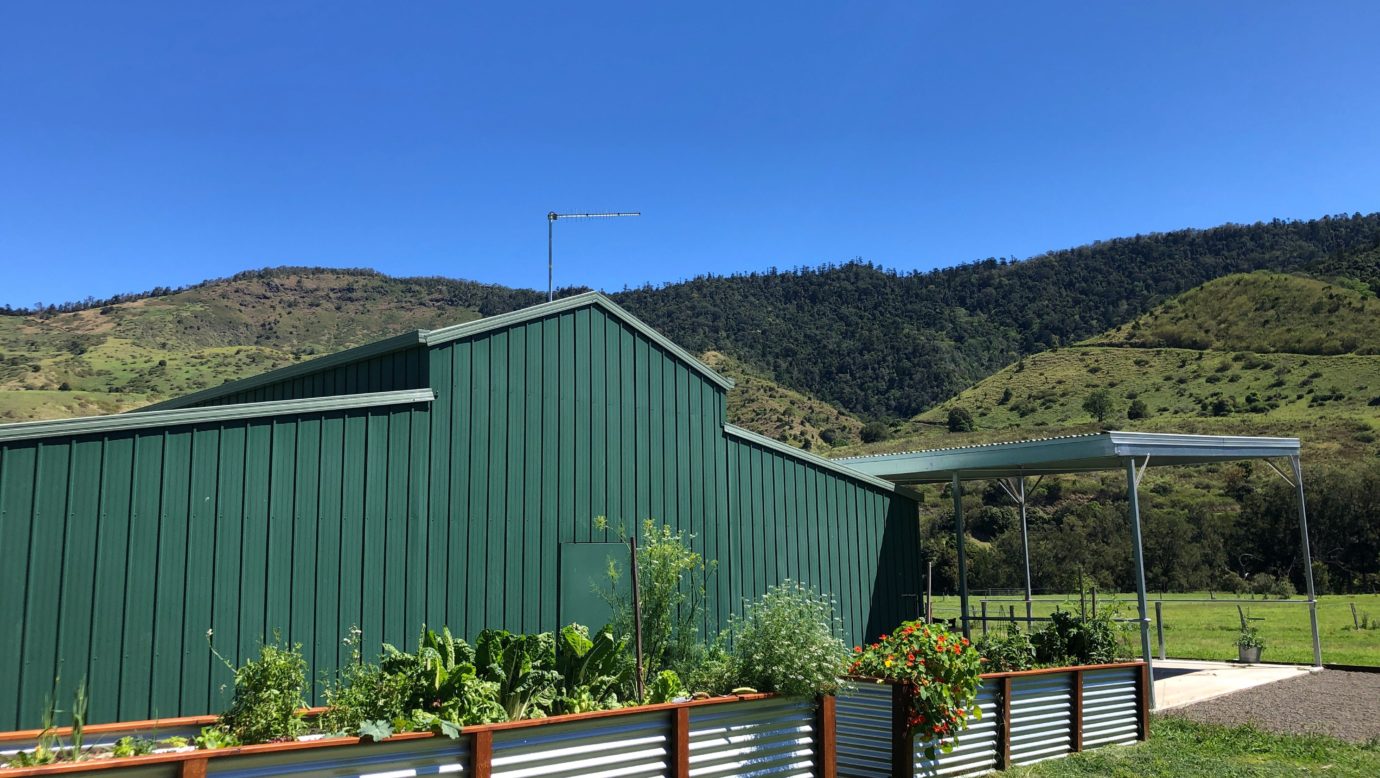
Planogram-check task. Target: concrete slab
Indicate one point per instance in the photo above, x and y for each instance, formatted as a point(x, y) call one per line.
point(1180, 682)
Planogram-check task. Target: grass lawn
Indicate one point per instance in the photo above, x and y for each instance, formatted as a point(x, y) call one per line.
point(1208, 630)
point(1178, 747)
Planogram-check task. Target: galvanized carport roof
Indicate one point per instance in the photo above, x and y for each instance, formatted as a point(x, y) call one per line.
point(1069, 454)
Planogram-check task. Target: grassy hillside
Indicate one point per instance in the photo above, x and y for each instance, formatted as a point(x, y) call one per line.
point(119, 356)
point(875, 343)
point(1227, 526)
point(1244, 380)
point(766, 407)
point(1264, 312)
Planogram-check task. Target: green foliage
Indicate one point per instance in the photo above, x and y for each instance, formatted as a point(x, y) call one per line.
point(671, 580)
point(665, 687)
point(941, 671)
point(1005, 653)
point(523, 667)
point(1070, 639)
point(131, 745)
point(215, 737)
point(874, 431)
point(960, 420)
point(788, 642)
point(711, 670)
point(1249, 637)
point(268, 695)
point(1099, 404)
point(437, 687)
point(377, 730)
point(1137, 410)
point(592, 670)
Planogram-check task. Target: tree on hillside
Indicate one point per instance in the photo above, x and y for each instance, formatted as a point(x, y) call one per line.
point(960, 420)
point(1137, 410)
point(1099, 404)
point(874, 431)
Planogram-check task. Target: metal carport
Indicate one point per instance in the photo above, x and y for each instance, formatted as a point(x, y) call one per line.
point(1012, 463)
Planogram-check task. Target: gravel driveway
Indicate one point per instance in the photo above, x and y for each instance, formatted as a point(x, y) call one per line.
point(1333, 702)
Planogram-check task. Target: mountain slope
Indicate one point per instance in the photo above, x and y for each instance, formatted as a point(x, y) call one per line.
point(883, 345)
point(871, 342)
point(1242, 379)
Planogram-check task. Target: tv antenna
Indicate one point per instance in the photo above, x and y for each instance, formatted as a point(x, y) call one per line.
point(550, 233)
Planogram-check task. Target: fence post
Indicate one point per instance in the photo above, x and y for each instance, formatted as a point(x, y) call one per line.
point(1145, 681)
point(1004, 754)
point(984, 617)
point(902, 744)
point(193, 768)
point(1078, 710)
point(826, 739)
point(1354, 622)
point(680, 742)
point(1159, 625)
point(482, 753)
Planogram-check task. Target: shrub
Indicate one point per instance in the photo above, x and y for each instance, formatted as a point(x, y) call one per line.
point(671, 580)
point(788, 642)
point(942, 671)
point(1014, 651)
point(960, 420)
point(874, 431)
point(1077, 640)
point(268, 695)
point(1249, 637)
point(1137, 410)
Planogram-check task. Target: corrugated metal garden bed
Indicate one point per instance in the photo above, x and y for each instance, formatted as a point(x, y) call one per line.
point(756, 734)
point(1028, 716)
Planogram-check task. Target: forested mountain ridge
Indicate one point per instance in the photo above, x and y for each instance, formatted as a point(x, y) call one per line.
point(885, 345)
point(872, 342)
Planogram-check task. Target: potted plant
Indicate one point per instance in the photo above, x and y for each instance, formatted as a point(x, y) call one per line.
point(1248, 645)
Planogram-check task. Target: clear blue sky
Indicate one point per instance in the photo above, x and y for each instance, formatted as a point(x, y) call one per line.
point(147, 144)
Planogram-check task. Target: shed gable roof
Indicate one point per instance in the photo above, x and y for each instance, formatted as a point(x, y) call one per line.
point(445, 335)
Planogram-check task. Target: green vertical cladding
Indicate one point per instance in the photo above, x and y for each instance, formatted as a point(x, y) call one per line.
point(854, 541)
point(121, 553)
point(576, 415)
point(405, 368)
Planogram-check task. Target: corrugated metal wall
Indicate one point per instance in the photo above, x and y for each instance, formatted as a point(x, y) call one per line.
point(793, 519)
point(403, 369)
point(121, 551)
point(576, 416)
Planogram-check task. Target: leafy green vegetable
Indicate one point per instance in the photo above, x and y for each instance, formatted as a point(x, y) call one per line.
point(666, 686)
point(592, 670)
point(523, 667)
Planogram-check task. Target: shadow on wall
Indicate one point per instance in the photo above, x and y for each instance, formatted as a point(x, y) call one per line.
point(896, 589)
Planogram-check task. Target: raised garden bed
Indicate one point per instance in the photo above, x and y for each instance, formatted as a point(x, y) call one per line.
point(723, 736)
point(1028, 716)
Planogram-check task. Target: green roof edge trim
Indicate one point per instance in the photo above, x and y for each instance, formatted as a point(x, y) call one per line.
point(89, 425)
point(814, 459)
point(479, 326)
point(377, 348)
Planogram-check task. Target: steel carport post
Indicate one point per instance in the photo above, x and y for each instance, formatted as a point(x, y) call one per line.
point(962, 556)
point(1132, 487)
point(1307, 559)
point(1017, 493)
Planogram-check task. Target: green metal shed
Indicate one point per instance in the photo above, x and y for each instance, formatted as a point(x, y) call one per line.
point(449, 476)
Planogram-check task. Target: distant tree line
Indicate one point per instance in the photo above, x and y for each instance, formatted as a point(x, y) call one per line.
point(1249, 545)
point(884, 344)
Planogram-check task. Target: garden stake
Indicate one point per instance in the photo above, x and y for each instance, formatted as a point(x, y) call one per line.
point(637, 618)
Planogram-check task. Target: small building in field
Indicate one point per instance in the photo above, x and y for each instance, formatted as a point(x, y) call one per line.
point(454, 476)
